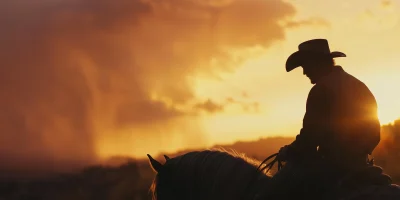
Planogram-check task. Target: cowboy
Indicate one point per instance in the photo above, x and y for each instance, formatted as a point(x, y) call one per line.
point(340, 127)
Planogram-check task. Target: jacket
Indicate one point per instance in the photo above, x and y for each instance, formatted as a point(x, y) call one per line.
point(341, 121)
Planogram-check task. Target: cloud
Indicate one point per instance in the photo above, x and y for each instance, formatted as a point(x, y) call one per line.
point(209, 106)
point(245, 95)
point(212, 107)
point(314, 21)
point(383, 17)
point(386, 3)
point(248, 107)
point(76, 74)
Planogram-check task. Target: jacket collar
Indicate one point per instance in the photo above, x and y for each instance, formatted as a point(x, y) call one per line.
point(335, 71)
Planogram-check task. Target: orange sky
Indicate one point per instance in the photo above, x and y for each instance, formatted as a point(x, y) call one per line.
point(82, 79)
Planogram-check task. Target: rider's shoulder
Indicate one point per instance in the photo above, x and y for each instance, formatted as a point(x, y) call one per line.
point(318, 90)
point(321, 86)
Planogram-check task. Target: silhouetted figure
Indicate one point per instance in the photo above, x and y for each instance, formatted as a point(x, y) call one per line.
point(340, 127)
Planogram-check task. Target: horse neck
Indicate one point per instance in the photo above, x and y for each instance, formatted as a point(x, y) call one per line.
point(221, 175)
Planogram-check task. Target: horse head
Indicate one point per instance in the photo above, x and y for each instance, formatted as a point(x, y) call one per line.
point(166, 178)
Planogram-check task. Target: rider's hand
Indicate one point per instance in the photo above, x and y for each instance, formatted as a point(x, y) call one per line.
point(284, 153)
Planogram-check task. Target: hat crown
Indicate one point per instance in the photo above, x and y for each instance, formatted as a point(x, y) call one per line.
point(315, 45)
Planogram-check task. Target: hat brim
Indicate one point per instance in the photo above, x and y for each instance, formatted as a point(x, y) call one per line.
point(297, 58)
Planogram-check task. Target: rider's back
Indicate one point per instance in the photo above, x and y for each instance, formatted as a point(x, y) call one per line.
point(352, 124)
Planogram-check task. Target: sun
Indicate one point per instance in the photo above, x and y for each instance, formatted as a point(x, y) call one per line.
point(388, 106)
point(386, 117)
point(384, 87)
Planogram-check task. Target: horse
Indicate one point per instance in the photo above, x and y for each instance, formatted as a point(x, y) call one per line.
point(221, 174)
point(209, 174)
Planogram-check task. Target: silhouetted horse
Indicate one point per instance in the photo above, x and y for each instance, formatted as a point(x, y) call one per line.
point(207, 175)
point(219, 174)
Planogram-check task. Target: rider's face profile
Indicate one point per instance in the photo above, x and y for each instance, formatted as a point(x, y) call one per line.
point(309, 70)
point(314, 69)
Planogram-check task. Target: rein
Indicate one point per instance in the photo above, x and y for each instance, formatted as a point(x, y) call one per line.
point(269, 166)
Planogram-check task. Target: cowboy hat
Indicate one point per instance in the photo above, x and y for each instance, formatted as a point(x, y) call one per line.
point(310, 49)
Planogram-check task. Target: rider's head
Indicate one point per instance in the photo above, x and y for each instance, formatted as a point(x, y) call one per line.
point(314, 57)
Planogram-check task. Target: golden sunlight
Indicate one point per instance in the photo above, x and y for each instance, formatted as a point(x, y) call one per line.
point(382, 85)
point(161, 76)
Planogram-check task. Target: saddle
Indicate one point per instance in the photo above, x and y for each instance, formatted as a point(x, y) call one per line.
point(349, 183)
point(297, 180)
point(370, 175)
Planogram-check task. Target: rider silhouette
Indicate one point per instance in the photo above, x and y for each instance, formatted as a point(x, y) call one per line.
point(340, 127)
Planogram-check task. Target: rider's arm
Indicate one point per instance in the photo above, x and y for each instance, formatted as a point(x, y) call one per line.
point(315, 122)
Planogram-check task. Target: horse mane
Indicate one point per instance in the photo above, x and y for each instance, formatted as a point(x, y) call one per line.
point(153, 188)
point(240, 155)
point(212, 159)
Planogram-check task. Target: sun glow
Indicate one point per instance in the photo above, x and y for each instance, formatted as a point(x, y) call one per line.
point(384, 88)
point(386, 112)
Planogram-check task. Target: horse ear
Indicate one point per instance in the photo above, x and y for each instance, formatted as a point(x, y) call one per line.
point(155, 164)
point(166, 158)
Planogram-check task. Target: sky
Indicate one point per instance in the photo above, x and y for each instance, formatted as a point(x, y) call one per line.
point(83, 80)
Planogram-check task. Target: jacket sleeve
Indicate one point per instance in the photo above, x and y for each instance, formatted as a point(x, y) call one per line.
point(316, 120)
